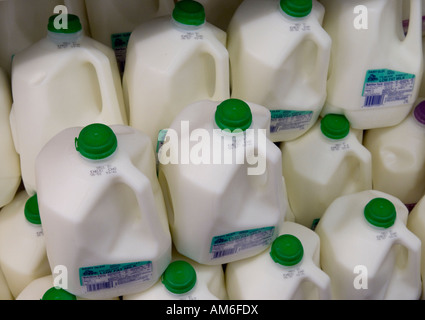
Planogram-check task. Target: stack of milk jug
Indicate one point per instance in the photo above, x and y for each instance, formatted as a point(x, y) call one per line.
point(212, 150)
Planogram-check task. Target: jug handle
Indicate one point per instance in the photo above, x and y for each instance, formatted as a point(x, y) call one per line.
point(13, 129)
point(321, 41)
point(320, 279)
point(414, 33)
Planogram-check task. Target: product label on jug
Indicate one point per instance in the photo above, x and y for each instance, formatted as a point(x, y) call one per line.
point(384, 87)
point(236, 242)
point(119, 45)
point(289, 120)
point(109, 276)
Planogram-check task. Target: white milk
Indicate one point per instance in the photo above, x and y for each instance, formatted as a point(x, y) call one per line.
point(280, 60)
point(326, 162)
point(290, 269)
point(375, 71)
point(367, 250)
point(102, 209)
point(64, 80)
point(171, 63)
point(398, 157)
point(224, 191)
point(10, 170)
point(23, 256)
point(185, 279)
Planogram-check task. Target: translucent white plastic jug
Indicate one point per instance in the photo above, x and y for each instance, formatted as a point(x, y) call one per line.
point(10, 170)
point(289, 269)
point(398, 157)
point(23, 256)
point(222, 181)
point(326, 162)
point(375, 70)
point(66, 79)
point(279, 57)
point(172, 62)
point(102, 209)
point(367, 250)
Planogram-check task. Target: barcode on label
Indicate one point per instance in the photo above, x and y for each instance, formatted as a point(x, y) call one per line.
point(374, 100)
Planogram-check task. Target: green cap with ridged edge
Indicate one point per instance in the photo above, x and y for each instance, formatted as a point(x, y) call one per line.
point(335, 126)
point(189, 12)
point(179, 277)
point(380, 212)
point(96, 141)
point(287, 250)
point(31, 212)
point(296, 8)
point(71, 25)
point(58, 294)
point(233, 114)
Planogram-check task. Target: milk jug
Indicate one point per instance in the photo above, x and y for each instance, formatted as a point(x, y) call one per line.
point(398, 157)
point(288, 270)
point(172, 62)
point(185, 279)
point(10, 170)
point(102, 209)
point(23, 255)
point(66, 79)
point(367, 250)
point(326, 162)
point(375, 70)
point(222, 181)
point(279, 57)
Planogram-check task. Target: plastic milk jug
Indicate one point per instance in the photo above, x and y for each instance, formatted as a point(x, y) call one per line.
point(23, 255)
point(375, 70)
point(279, 57)
point(326, 162)
point(222, 181)
point(289, 269)
point(367, 250)
point(10, 170)
point(172, 62)
point(102, 209)
point(185, 279)
point(398, 157)
point(66, 79)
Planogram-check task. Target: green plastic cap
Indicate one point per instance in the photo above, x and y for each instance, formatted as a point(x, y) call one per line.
point(335, 126)
point(380, 212)
point(72, 23)
point(287, 250)
point(233, 114)
point(296, 8)
point(31, 210)
point(58, 294)
point(189, 12)
point(96, 141)
point(179, 277)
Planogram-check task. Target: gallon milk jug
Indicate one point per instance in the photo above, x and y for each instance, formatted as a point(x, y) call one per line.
point(326, 162)
point(289, 269)
point(102, 209)
point(398, 157)
point(10, 170)
point(66, 79)
point(23, 255)
point(172, 62)
point(222, 181)
point(42, 289)
point(185, 279)
point(375, 71)
point(367, 250)
point(279, 57)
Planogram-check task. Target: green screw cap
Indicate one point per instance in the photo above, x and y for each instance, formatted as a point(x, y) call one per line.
point(189, 12)
point(233, 114)
point(296, 8)
point(380, 212)
point(96, 141)
point(72, 23)
point(287, 250)
point(31, 210)
point(335, 126)
point(179, 277)
point(58, 294)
